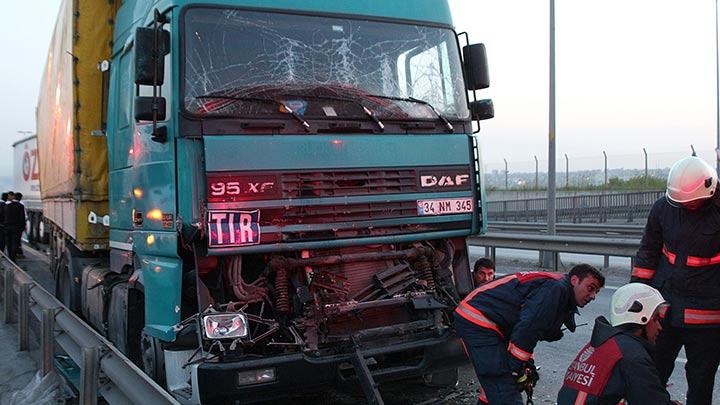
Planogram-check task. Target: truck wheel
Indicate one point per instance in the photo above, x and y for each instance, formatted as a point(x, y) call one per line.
point(153, 358)
point(442, 379)
point(63, 290)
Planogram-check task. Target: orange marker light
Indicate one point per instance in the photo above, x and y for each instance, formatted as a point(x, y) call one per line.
point(154, 214)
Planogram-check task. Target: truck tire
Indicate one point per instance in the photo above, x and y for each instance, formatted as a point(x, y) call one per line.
point(63, 290)
point(442, 379)
point(153, 358)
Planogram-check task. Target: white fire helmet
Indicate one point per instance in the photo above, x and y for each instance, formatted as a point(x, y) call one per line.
point(691, 179)
point(634, 303)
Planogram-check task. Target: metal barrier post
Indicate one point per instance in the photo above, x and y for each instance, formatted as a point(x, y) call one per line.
point(487, 251)
point(89, 375)
point(492, 255)
point(8, 297)
point(24, 317)
point(47, 339)
point(606, 261)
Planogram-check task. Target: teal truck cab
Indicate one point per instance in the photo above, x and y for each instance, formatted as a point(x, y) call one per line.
point(291, 185)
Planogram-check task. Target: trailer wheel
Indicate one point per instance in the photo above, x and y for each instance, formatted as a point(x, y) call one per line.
point(442, 379)
point(63, 290)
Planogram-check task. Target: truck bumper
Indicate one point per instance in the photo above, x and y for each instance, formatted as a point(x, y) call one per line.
point(298, 373)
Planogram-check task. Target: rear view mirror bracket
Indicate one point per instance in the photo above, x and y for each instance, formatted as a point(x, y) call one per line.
point(151, 47)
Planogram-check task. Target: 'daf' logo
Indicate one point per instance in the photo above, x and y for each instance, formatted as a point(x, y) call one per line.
point(444, 181)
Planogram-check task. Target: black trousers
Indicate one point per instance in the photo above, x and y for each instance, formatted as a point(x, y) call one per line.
point(488, 353)
point(12, 238)
point(702, 347)
point(2, 238)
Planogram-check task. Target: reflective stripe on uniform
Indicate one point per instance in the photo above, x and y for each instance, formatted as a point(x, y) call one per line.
point(581, 397)
point(478, 318)
point(482, 397)
point(663, 310)
point(693, 261)
point(702, 316)
point(643, 273)
point(519, 353)
point(670, 255)
point(490, 285)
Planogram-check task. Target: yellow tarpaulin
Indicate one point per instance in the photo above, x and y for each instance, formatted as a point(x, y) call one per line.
point(73, 162)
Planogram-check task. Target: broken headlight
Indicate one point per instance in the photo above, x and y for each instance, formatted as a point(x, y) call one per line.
point(225, 326)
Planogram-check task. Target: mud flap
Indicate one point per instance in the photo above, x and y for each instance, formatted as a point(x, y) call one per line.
point(368, 384)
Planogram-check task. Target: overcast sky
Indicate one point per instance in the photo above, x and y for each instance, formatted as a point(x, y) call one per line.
point(630, 74)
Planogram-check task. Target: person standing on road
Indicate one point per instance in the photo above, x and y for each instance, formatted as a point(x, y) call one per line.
point(483, 271)
point(680, 256)
point(616, 366)
point(501, 322)
point(4, 199)
point(14, 222)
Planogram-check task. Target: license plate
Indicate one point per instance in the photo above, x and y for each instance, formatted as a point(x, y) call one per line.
point(233, 228)
point(444, 206)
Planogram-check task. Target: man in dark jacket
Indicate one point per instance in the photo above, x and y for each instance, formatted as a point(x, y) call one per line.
point(501, 322)
point(616, 366)
point(680, 256)
point(2, 221)
point(14, 225)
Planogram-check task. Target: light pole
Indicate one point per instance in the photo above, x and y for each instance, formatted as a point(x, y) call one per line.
point(646, 169)
point(536, 172)
point(567, 172)
point(550, 259)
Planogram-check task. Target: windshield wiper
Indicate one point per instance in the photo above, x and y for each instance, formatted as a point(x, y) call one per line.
point(444, 120)
point(287, 109)
point(370, 113)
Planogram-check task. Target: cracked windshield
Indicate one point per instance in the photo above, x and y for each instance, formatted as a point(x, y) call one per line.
point(252, 64)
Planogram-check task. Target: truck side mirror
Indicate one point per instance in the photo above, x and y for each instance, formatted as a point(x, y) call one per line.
point(150, 55)
point(145, 105)
point(476, 67)
point(482, 110)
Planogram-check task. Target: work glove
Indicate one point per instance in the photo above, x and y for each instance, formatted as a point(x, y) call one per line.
point(527, 378)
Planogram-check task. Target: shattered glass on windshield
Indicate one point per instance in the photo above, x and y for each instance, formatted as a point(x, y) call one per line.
point(246, 63)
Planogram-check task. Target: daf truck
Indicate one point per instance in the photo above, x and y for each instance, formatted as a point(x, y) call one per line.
point(253, 198)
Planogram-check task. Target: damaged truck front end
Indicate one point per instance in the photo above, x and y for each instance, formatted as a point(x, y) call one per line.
point(327, 176)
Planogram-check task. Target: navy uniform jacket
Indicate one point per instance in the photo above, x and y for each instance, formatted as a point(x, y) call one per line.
point(632, 378)
point(523, 308)
point(680, 256)
point(14, 216)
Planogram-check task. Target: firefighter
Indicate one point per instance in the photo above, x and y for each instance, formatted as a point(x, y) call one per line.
point(483, 271)
point(680, 256)
point(501, 322)
point(616, 365)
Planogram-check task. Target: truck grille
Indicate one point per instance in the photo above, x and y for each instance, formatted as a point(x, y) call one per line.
point(323, 214)
point(347, 183)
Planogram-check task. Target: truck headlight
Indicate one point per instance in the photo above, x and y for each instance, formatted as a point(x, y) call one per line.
point(225, 326)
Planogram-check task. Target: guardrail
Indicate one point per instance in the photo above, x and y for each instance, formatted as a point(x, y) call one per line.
point(580, 208)
point(122, 381)
point(634, 230)
point(602, 246)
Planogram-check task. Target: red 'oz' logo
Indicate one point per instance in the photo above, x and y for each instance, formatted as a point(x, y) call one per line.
point(30, 165)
